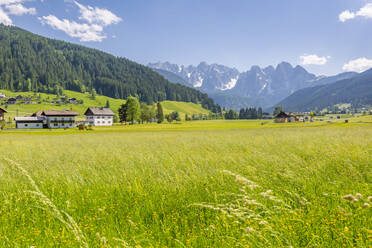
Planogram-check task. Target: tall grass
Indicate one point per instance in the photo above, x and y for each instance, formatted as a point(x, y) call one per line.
point(198, 187)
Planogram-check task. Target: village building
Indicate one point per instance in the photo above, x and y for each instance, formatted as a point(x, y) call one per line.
point(57, 119)
point(283, 117)
point(31, 122)
point(99, 116)
point(11, 101)
point(72, 100)
point(2, 96)
point(2, 114)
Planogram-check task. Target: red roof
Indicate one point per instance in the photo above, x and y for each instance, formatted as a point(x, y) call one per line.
point(56, 113)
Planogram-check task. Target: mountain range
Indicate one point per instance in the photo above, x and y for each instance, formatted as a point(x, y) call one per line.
point(258, 86)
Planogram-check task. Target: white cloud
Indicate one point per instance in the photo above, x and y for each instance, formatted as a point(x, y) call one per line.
point(7, 2)
point(346, 15)
point(13, 7)
point(85, 32)
point(313, 59)
point(365, 11)
point(92, 30)
point(358, 65)
point(97, 15)
point(19, 9)
point(4, 18)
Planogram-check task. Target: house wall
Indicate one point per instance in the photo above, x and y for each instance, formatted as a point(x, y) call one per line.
point(100, 120)
point(56, 122)
point(29, 125)
point(281, 120)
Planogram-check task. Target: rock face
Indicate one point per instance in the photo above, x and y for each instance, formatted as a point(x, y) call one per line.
point(258, 86)
point(207, 78)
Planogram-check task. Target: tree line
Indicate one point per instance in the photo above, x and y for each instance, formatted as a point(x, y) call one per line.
point(244, 114)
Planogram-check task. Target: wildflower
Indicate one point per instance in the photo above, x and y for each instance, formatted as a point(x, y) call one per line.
point(370, 198)
point(263, 222)
point(349, 197)
point(365, 205)
point(359, 196)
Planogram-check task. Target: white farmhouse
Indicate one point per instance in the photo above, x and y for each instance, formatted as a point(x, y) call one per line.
point(99, 116)
point(31, 122)
point(57, 119)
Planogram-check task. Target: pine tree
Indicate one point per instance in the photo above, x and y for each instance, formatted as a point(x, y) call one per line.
point(259, 113)
point(108, 104)
point(94, 94)
point(123, 113)
point(160, 114)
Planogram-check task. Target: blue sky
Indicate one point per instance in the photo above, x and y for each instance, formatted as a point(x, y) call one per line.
point(325, 36)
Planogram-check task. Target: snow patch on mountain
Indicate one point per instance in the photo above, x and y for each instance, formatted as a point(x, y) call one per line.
point(230, 85)
point(199, 83)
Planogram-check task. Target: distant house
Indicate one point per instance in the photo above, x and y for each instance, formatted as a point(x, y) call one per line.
point(2, 96)
point(283, 117)
point(72, 100)
point(11, 101)
point(99, 116)
point(57, 119)
point(2, 114)
point(32, 122)
point(19, 97)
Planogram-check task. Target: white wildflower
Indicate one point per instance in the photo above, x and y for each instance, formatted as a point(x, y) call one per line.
point(365, 205)
point(359, 196)
point(349, 197)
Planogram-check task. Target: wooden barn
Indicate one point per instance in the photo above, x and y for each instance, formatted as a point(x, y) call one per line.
point(2, 114)
point(283, 117)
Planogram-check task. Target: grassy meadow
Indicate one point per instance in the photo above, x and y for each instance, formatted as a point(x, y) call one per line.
point(192, 184)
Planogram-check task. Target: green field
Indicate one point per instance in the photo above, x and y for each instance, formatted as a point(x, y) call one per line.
point(192, 184)
point(24, 109)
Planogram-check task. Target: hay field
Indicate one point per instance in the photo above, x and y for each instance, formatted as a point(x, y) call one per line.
point(197, 184)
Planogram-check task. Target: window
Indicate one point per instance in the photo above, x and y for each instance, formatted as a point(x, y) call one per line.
point(98, 122)
point(63, 124)
point(37, 125)
point(26, 125)
point(55, 124)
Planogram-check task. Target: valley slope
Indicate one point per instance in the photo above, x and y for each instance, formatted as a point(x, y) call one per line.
point(356, 91)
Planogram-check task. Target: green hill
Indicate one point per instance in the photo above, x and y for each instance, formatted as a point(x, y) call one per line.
point(44, 101)
point(29, 62)
point(356, 91)
point(184, 108)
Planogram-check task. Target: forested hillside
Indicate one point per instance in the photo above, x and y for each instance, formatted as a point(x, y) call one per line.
point(356, 91)
point(29, 62)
